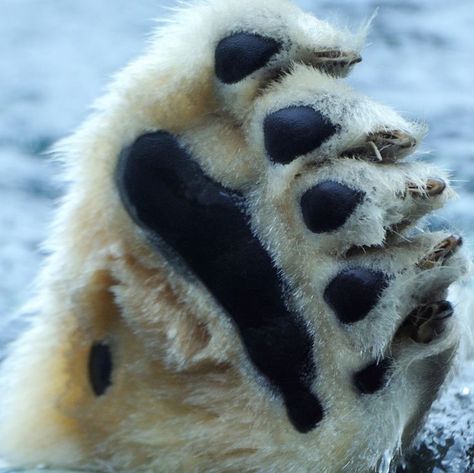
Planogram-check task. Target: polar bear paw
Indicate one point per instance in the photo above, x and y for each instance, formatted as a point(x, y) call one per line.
point(278, 208)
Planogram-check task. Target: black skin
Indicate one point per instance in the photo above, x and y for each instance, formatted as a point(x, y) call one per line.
point(373, 377)
point(100, 368)
point(241, 54)
point(294, 131)
point(327, 206)
point(354, 292)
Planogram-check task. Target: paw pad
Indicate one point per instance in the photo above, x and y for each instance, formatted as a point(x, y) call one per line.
point(374, 377)
point(100, 368)
point(168, 195)
point(241, 54)
point(353, 293)
point(328, 205)
point(295, 131)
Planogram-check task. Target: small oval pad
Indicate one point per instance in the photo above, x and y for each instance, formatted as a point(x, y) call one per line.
point(100, 368)
point(373, 377)
point(295, 131)
point(353, 293)
point(328, 205)
point(241, 54)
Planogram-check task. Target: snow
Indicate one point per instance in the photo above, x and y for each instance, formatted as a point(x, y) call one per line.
point(58, 55)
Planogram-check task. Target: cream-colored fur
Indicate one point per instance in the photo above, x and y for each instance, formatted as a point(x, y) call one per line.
point(185, 397)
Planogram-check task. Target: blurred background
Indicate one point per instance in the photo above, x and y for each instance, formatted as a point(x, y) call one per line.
point(57, 56)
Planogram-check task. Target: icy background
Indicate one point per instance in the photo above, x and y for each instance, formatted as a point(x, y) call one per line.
point(56, 56)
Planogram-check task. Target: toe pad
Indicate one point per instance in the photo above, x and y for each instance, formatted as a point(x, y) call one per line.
point(373, 377)
point(100, 368)
point(353, 293)
point(241, 54)
point(328, 205)
point(295, 131)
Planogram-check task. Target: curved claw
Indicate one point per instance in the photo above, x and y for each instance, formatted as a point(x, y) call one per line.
point(432, 188)
point(441, 252)
point(383, 146)
point(333, 61)
point(427, 322)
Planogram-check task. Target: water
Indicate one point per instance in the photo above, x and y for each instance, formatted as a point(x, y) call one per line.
point(57, 56)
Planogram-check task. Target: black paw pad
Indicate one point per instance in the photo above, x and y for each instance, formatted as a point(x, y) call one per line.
point(288, 362)
point(241, 54)
point(166, 192)
point(373, 378)
point(294, 131)
point(100, 368)
point(328, 205)
point(353, 293)
point(304, 409)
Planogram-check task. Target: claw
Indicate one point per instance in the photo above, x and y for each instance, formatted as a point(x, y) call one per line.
point(441, 252)
point(336, 55)
point(428, 321)
point(385, 146)
point(432, 188)
point(334, 61)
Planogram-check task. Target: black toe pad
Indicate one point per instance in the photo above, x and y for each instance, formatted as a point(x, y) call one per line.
point(241, 54)
point(353, 293)
point(204, 224)
point(328, 205)
point(294, 131)
point(373, 377)
point(100, 368)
